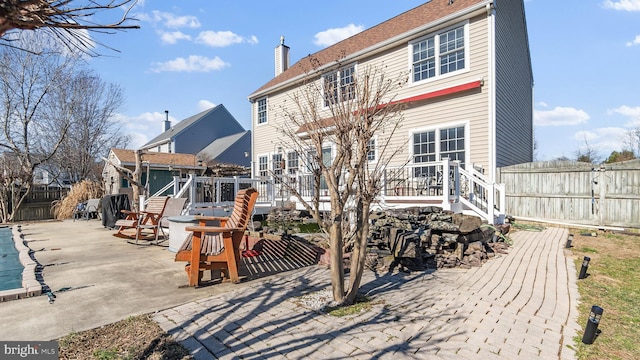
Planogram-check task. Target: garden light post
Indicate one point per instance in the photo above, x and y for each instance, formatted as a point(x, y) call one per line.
point(585, 266)
point(569, 240)
point(591, 330)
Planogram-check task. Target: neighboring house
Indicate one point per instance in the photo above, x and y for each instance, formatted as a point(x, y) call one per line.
point(199, 132)
point(43, 176)
point(470, 91)
point(162, 167)
point(232, 149)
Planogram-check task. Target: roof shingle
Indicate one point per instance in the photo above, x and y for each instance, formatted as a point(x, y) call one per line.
point(398, 25)
point(157, 158)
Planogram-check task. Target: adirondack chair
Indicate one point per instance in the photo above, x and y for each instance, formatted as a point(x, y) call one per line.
point(135, 223)
point(218, 247)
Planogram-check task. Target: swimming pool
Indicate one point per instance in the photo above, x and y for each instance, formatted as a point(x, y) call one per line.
point(18, 270)
point(10, 266)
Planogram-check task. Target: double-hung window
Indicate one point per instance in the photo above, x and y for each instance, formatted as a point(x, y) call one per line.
point(371, 151)
point(277, 164)
point(434, 145)
point(262, 110)
point(339, 85)
point(452, 144)
point(439, 54)
point(424, 150)
point(292, 162)
point(263, 166)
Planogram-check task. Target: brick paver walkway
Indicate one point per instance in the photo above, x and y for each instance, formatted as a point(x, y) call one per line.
point(519, 305)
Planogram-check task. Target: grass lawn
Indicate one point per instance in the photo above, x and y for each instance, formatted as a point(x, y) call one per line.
point(613, 283)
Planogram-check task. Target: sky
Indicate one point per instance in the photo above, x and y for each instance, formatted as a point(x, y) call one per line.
point(191, 55)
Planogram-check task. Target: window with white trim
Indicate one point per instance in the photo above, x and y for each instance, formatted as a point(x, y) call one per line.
point(452, 144)
point(372, 151)
point(292, 163)
point(439, 54)
point(424, 150)
point(263, 166)
point(277, 164)
point(339, 85)
point(262, 110)
point(327, 159)
point(433, 145)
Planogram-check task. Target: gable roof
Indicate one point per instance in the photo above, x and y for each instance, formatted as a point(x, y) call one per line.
point(221, 145)
point(128, 157)
point(184, 124)
point(412, 21)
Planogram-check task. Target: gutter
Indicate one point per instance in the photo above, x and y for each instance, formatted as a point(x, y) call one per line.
point(157, 143)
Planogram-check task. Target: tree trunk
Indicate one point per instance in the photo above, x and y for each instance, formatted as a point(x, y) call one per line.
point(17, 199)
point(359, 254)
point(337, 262)
point(137, 177)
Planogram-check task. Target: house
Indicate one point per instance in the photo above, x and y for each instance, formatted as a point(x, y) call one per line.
point(215, 130)
point(469, 96)
point(232, 149)
point(158, 169)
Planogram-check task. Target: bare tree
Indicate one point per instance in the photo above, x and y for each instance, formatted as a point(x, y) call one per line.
point(587, 154)
point(67, 20)
point(360, 119)
point(90, 105)
point(29, 137)
point(631, 140)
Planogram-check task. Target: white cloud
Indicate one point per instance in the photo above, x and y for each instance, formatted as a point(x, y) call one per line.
point(223, 38)
point(205, 104)
point(635, 41)
point(194, 63)
point(170, 20)
point(603, 140)
point(625, 5)
point(543, 104)
point(633, 113)
point(143, 127)
point(334, 35)
point(173, 37)
point(560, 116)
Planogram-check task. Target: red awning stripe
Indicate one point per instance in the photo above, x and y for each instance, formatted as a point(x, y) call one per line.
point(443, 92)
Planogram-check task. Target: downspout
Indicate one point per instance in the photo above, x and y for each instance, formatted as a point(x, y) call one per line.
point(491, 29)
point(253, 135)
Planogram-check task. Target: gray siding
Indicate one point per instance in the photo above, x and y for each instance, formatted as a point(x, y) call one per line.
point(235, 154)
point(514, 81)
point(214, 125)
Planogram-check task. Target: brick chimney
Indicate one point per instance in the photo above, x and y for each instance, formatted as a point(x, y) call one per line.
point(281, 57)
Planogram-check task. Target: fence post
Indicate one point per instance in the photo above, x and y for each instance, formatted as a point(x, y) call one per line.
point(456, 180)
point(192, 189)
point(445, 184)
point(384, 182)
point(603, 195)
point(176, 185)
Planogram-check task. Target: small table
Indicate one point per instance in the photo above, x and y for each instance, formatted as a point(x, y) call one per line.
point(177, 232)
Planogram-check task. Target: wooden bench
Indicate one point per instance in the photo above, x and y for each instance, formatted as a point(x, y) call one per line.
point(218, 247)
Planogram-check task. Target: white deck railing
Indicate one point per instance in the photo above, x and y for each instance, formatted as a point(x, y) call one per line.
point(441, 183)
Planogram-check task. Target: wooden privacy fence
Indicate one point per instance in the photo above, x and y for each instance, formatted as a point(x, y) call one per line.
point(581, 193)
point(37, 206)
